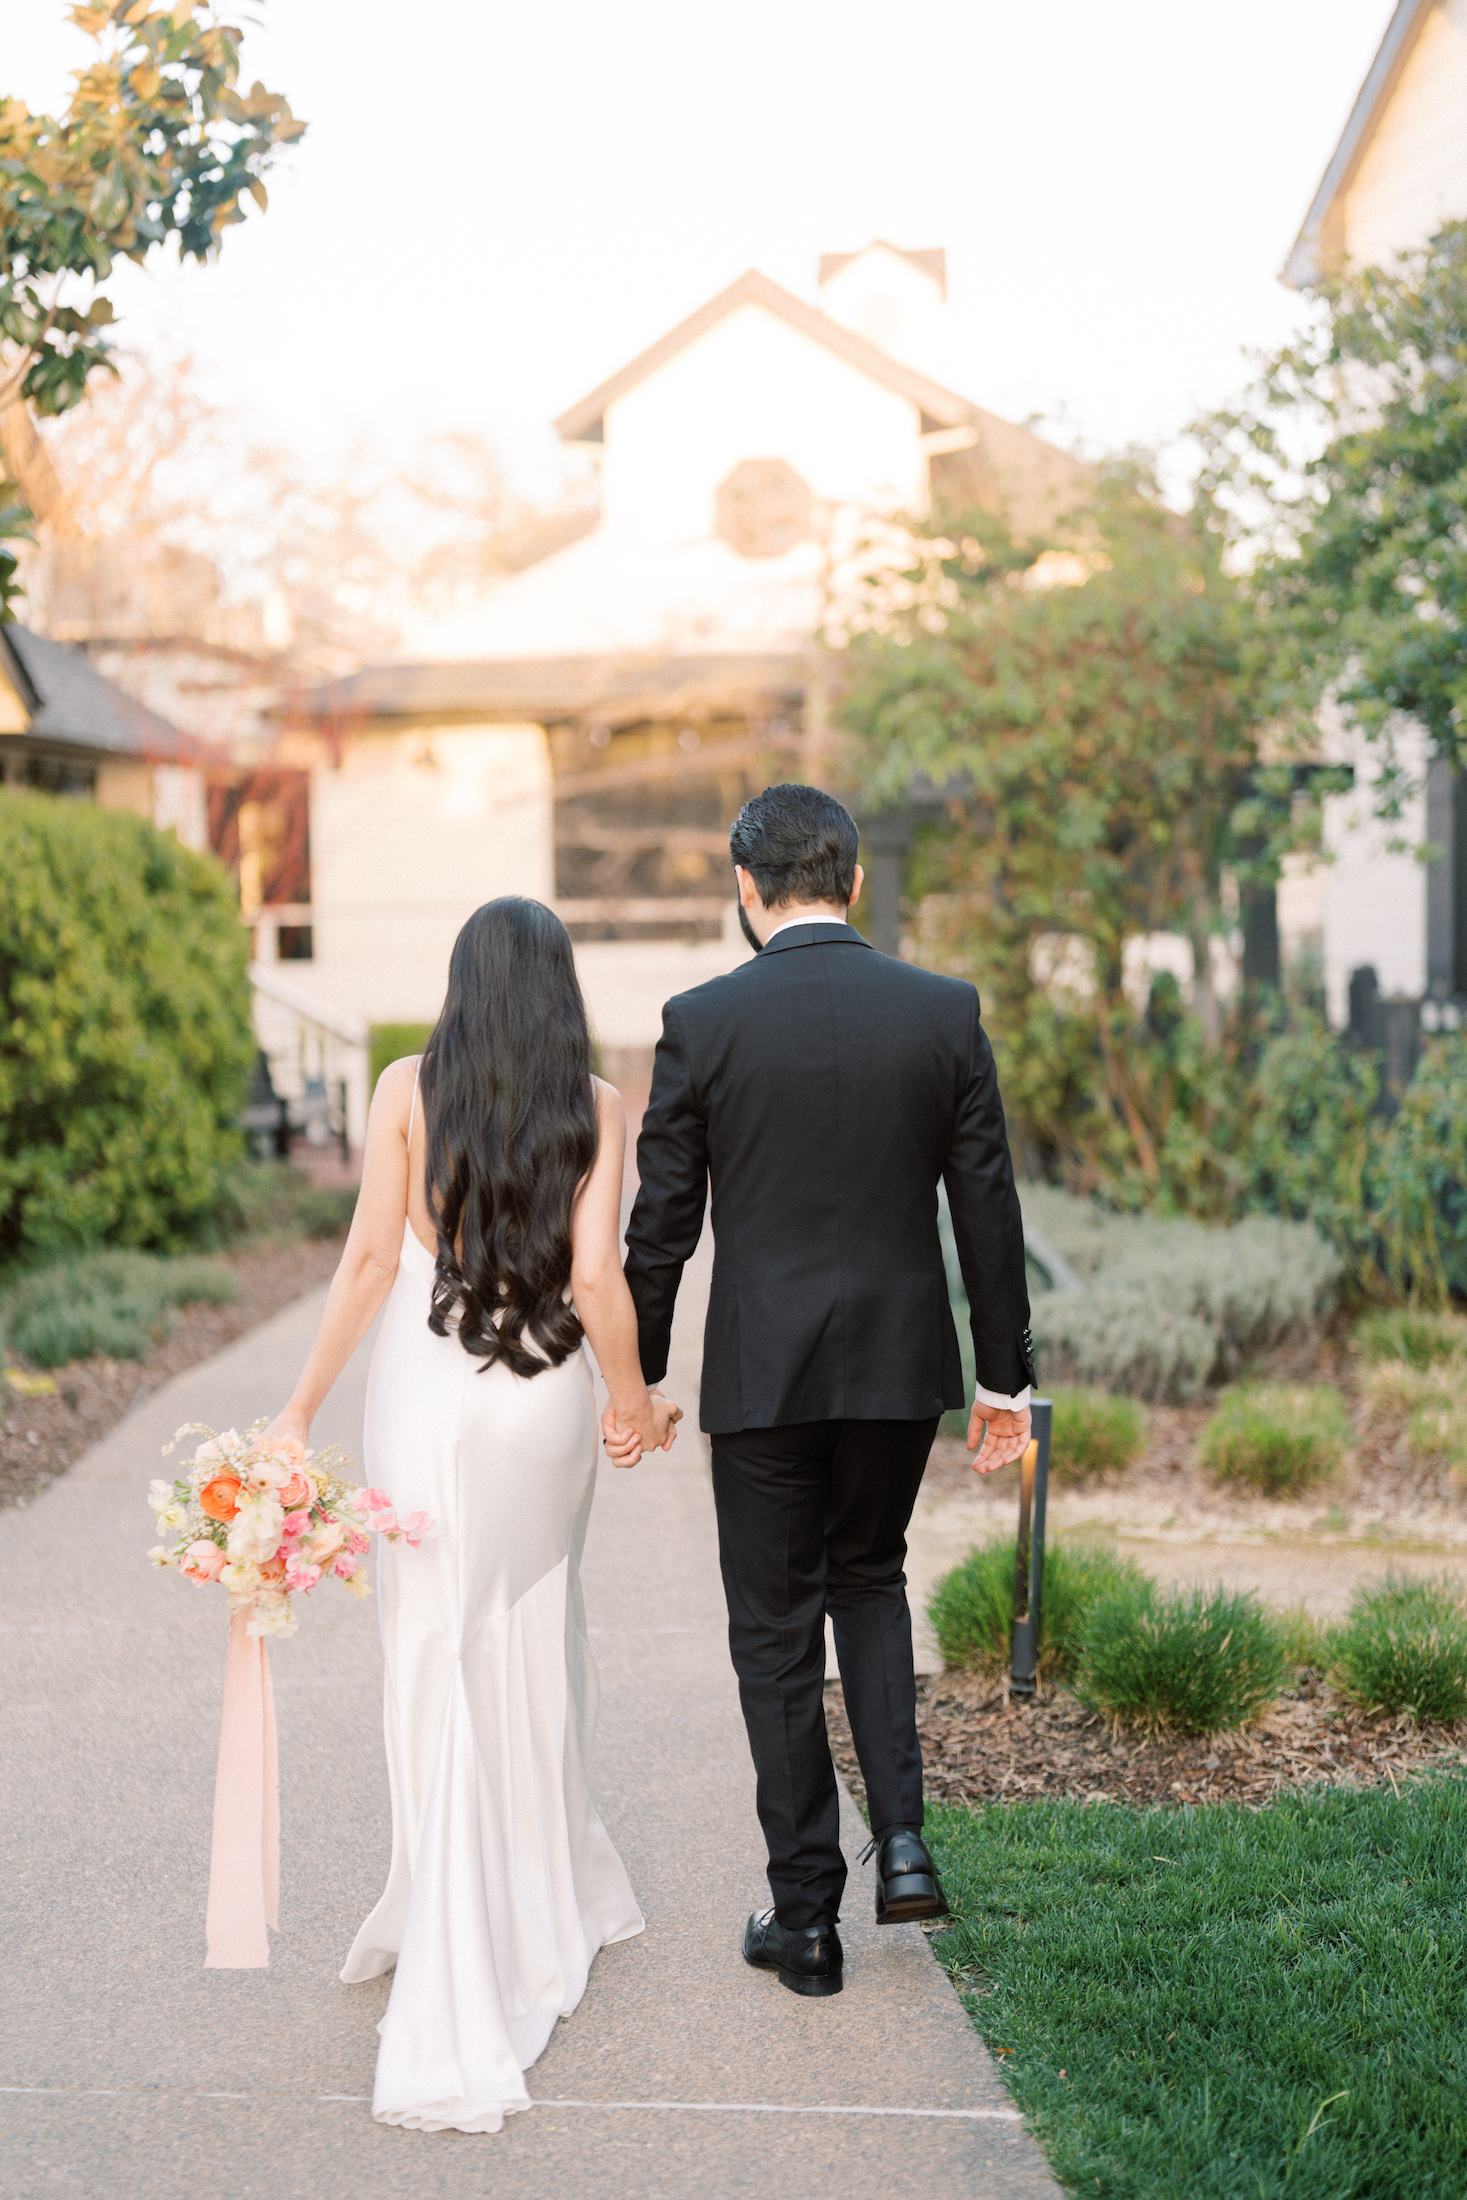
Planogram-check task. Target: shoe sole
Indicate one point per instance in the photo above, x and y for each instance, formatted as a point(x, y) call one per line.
point(799, 1982)
point(908, 1909)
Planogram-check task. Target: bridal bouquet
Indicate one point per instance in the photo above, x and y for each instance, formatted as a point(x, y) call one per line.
point(268, 1519)
point(264, 1518)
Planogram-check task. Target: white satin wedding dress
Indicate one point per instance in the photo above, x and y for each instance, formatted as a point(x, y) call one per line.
point(503, 1882)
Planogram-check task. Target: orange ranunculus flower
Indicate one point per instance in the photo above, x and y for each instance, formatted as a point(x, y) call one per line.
point(220, 1498)
point(296, 1492)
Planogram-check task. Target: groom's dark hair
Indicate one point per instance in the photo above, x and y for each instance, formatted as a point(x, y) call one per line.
point(798, 843)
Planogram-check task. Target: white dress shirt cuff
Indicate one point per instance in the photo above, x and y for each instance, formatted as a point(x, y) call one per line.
point(998, 1402)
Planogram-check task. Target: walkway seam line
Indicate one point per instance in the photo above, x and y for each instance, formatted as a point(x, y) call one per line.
point(703, 2108)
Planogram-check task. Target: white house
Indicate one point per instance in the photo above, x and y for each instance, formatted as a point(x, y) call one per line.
point(587, 729)
point(1398, 172)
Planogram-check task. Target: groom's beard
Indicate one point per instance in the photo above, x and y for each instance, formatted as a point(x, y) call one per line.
point(748, 930)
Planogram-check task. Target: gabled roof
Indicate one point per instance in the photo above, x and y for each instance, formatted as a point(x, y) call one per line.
point(932, 261)
point(940, 408)
point(69, 703)
point(1316, 250)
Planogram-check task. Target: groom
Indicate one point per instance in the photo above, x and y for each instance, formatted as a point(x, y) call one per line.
point(823, 1090)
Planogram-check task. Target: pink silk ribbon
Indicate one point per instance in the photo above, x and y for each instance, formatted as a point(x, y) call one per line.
point(244, 1865)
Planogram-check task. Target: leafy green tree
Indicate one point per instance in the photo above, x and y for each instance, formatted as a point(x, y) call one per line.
point(1344, 473)
point(159, 143)
point(125, 1037)
point(1101, 745)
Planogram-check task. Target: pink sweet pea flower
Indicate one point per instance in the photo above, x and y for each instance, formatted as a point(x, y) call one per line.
point(345, 1567)
point(356, 1541)
point(416, 1527)
point(296, 1523)
point(298, 1576)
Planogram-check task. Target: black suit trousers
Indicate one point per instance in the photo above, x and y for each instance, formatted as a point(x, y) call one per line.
point(812, 1518)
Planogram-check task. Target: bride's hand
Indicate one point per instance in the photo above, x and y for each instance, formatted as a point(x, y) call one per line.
point(623, 1445)
point(653, 1430)
point(291, 1426)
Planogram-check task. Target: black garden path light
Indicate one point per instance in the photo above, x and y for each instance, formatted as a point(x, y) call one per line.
point(1029, 1556)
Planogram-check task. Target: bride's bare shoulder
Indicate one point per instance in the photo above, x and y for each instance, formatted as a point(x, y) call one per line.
point(608, 1101)
point(394, 1090)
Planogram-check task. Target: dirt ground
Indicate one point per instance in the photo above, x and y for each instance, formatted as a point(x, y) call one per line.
point(1383, 1510)
point(42, 1437)
point(977, 1747)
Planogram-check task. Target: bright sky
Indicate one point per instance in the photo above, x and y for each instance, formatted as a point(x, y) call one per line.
point(497, 205)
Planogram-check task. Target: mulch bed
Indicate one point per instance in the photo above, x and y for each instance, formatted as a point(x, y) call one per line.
point(977, 1747)
point(41, 1437)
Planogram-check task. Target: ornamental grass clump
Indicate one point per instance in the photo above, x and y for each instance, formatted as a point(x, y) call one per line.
point(1277, 1437)
point(1412, 1338)
point(115, 1303)
point(1403, 1648)
point(971, 1609)
point(1095, 1432)
point(1198, 1660)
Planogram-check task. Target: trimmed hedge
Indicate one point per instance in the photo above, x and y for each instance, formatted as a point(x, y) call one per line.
point(125, 1035)
point(388, 1043)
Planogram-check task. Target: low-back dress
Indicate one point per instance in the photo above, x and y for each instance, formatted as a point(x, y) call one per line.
point(503, 1882)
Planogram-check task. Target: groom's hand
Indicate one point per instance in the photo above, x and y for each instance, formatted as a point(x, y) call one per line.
point(997, 1436)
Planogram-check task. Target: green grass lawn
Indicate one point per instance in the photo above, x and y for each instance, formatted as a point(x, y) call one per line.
point(1221, 2002)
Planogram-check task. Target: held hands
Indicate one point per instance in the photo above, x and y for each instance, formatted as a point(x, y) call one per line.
point(656, 1430)
point(1004, 1435)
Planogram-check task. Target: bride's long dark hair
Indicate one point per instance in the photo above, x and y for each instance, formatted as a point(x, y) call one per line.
point(511, 1127)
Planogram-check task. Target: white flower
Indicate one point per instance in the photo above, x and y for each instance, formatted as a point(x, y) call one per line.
point(172, 1515)
point(160, 1493)
point(255, 1531)
point(271, 1616)
point(160, 1556)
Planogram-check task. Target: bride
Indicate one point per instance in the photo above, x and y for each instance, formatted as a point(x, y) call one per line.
point(489, 1223)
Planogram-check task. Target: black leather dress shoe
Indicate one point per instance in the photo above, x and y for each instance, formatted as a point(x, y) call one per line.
point(907, 1885)
point(808, 1962)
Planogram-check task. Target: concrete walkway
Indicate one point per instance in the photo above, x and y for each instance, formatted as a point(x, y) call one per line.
point(129, 2072)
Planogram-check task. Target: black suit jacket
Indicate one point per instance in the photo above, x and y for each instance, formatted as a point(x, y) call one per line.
point(824, 1089)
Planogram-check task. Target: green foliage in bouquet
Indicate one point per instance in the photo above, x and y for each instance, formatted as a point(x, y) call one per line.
point(113, 1302)
point(1403, 1648)
point(971, 1609)
point(1197, 1660)
point(125, 1038)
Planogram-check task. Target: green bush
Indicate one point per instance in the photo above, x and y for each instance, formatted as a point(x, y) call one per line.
point(274, 1200)
point(1403, 1648)
point(1276, 1436)
point(115, 1303)
point(971, 1609)
point(1419, 1179)
point(1167, 1306)
point(1199, 1660)
point(1095, 1433)
point(1416, 1339)
point(390, 1042)
point(125, 1040)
